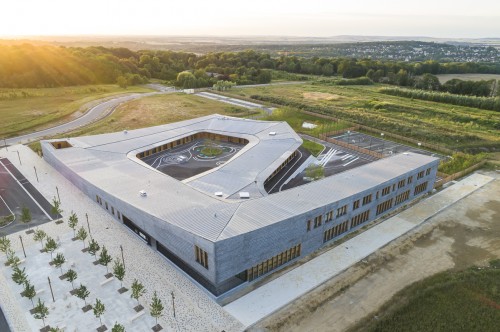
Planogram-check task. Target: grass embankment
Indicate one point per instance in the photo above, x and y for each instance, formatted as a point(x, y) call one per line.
point(450, 301)
point(28, 110)
point(157, 110)
point(455, 127)
point(313, 147)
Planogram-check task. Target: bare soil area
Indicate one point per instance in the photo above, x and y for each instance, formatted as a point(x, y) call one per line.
point(467, 233)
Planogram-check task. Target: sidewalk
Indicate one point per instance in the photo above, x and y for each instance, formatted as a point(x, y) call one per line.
point(279, 292)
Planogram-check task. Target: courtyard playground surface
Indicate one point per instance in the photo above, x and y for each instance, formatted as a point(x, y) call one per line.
point(189, 159)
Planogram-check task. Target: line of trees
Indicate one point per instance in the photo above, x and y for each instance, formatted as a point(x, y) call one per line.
point(24, 66)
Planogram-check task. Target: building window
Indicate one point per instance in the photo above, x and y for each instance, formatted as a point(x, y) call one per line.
point(410, 179)
point(377, 194)
point(355, 205)
point(317, 221)
point(382, 207)
point(309, 223)
point(335, 231)
point(118, 215)
point(428, 171)
point(329, 216)
point(401, 183)
point(420, 188)
point(360, 218)
point(386, 190)
point(201, 256)
point(112, 210)
point(107, 206)
point(273, 263)
point(367, 199)
point(402, 197)
point(420, 175)
point(341, 211)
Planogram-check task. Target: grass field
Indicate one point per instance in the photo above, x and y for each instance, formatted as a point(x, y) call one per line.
point(467, 77)
point(28, 110)
point(157, 110)
point(450, 301)
point(453, 126)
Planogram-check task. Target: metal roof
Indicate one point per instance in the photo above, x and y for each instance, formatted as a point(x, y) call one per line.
point(108, 161)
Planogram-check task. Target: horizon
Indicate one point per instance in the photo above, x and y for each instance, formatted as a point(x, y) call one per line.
point(224, 18)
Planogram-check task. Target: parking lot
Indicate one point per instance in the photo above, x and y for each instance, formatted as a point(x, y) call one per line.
point(16, 192)
point(381, 145)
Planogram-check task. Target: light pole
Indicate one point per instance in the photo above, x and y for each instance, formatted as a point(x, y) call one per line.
point(5, 144)
point(88, 226)
point(173, 303)
point(58, 198)
point(19, 157)
point(383, 143)
point(123, 259)
point(22, 245)
point(36, 174)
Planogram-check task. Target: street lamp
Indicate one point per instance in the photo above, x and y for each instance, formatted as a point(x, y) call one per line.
point(383, 143)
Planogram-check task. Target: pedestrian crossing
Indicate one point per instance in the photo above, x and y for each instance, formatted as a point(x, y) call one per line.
point(347, 159)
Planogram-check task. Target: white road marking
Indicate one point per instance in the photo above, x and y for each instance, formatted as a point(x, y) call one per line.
point(351, 161)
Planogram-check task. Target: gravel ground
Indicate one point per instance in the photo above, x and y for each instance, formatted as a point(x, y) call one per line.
point(195, 308)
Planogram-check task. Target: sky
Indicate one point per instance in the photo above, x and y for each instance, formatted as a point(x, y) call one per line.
point(313, 18)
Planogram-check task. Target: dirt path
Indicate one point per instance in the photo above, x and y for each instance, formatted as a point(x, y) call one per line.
point(466, 233)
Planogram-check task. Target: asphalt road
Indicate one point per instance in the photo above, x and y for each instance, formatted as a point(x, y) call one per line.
point(97, 112)
point(4, 327)
point(17, 192)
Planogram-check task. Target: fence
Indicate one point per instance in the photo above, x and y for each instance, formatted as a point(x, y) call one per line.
point(445, 178)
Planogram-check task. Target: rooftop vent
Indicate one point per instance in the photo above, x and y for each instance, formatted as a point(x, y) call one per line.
point(272, 133)
point(218, 193)
point(143, 193)
point(244, 194)
point(125, 131)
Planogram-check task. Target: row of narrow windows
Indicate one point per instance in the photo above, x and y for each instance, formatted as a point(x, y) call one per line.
point(108, 207)
point(420, 188)
point(335, 231)
point(382, 207)
point(273, 262)
point(201, 256)
point(402, 197)
point(187, 139)
point(283, 165)
point(360, 218)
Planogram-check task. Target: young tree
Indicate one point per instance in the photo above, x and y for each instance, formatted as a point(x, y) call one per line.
point(71, 275)
point(315, 172)
point(26, 216)
point(156, 307)
point(39, 236)
point(119, 271)
point(99, 309)
point(40, 311)
point(4, 245)
point(19, 276)
point(73, 222)
point(94, 248)
point(82, 292)
point(59, 261)
point(29, 291)
point(56, 207)
point(105, 258)
point(12, 259)
point(118, 328)
point(82, 235)
point(138, 290)
point(50, 246)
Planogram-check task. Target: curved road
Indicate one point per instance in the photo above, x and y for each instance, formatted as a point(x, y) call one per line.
point(97, 112)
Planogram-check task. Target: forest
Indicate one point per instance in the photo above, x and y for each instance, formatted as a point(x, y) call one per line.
point(28, 66)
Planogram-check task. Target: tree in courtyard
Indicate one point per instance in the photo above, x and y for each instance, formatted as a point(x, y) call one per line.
point(138, 290)
point(82, 292)
point(71, 276)
point(19, 276)
point(29, 292)
point(82, 235)
point(73, 222)
point(39, 236)
point(40, 311)
point(94, 247)
point(156, 307)
point(99, 309)
point(105, 258)
point(50, 246)
point(12, 259)
point(59, 261)
point(315, 172)
point(118, 328)
point(4, 245)
point(119, 271)
point(26, 216)
point(56, 207)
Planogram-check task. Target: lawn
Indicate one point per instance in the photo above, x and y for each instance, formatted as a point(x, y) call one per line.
point(453, 126)
point(450, 301)
point(313, 147)
point(157, 110)
point(27, 110)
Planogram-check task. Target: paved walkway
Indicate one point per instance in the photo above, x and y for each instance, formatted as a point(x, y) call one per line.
point(274, 295)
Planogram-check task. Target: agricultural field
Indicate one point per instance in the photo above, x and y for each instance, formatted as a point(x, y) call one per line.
point(157, 110)
point(27, 110)
point(443, 78)
point(456, 127)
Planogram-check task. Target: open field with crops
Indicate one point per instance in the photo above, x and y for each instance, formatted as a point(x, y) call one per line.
point(157, 110)
point(467, 77)
point(456, 127)
point(27, 110)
